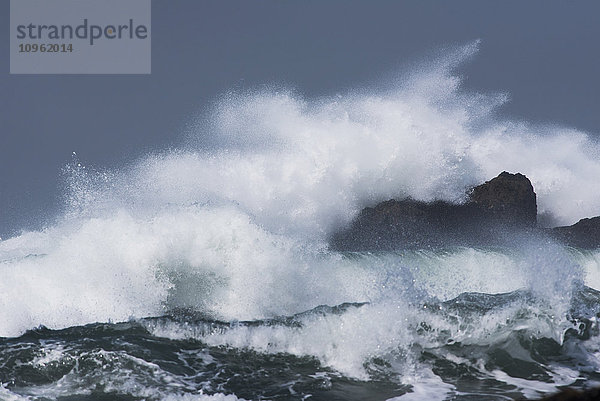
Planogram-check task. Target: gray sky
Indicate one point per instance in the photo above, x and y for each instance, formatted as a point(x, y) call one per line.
point(544, 53)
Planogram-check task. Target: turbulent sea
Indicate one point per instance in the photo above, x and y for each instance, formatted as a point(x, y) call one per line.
point(204, 272)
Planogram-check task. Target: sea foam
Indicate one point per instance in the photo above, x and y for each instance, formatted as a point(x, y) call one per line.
point(236, 225)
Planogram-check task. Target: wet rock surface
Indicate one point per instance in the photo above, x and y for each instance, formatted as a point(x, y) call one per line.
point(494, 212)
point(583, 234)
point(509, 198)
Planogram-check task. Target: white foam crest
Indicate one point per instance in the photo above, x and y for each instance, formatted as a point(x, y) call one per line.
point(7, 395)
point(300, 165)
point(426, 385)
point(341, 341)
point(246, 220)
point(210, 259)
point(553, 276)
point(447, 274)
point(531, 389)
point(217, 261)
point(590, 263)
point(97, 271)
point(391, 330)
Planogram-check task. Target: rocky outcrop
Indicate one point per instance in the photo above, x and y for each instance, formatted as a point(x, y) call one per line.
point(503, 202)
point(494, 212)
point(508, 198)
point(583, 234)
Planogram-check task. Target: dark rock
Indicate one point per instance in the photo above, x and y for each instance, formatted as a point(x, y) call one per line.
point(491, 215)
point(503, 202)
point(574, 395)
point(583, 234)
point(509, 198)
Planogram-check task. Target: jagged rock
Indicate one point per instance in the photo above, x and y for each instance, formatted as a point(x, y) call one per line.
point(583, 234)
point(509, 198)
point(505, 201)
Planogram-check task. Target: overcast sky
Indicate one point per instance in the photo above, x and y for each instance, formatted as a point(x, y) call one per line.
point(545, 54)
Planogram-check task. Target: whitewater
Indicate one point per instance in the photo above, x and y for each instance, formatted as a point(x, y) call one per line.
point(203, 272)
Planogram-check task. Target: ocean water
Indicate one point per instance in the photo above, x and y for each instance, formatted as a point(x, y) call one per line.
point(204, 272)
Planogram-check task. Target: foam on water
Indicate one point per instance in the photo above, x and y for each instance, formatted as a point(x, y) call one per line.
point(425, 386)
point(238, 230)
point(116, 372)
point(590, 262)
point(202, 397)
point(8, 395)
point(348, 341)
point(216, 260)
point(212, 259)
